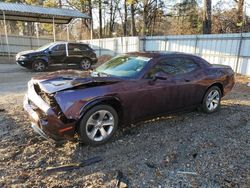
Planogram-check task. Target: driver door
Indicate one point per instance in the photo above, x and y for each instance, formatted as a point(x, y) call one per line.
point(181, 88)
point(57, 54)
point(148, 100)
point(175, 91)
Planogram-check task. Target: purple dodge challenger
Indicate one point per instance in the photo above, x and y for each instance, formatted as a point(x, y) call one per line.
point(127, 89)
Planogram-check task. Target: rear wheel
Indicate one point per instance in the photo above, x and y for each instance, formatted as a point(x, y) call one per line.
point(98, 125)
point(85, 64)
point(211, 100)
point(38, 66)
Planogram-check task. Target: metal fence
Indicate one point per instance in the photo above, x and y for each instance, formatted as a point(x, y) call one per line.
point(227, 49)
point(20, 43)
point(114, 46)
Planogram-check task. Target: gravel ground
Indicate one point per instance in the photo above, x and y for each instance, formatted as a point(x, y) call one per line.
point(190, 149)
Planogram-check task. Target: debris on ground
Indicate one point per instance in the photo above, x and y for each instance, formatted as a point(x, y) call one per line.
point(215, 146)
point(188, 173)
point(74, 166)
point(121, 180)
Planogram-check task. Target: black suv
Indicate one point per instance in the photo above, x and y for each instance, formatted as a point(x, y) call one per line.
point(57, 53)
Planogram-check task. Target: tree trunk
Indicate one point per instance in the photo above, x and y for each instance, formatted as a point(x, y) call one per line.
point(207, 23)
point(111, 19)
point(100, 19)
point(133, 30)
point(91, 18)
point(145, 7)
point(125, 18)
point(240, 7)
point(154, 19)
point(60, 3)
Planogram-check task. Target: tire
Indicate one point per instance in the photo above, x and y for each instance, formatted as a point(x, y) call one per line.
point(85, 64)
point(211, 100)
point(39, 66)
point(92, 130)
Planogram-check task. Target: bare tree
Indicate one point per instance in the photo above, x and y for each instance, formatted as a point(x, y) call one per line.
point(91, 17)
point(148, 14)
point(207, 15)
point(133, 29)
point(132, 4)
point(125, 18)
point(100, 18)
point(240, 6)
point(111, 8)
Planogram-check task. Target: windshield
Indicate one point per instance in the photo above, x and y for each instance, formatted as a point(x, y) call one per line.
point(123, 66)
point(44, 47)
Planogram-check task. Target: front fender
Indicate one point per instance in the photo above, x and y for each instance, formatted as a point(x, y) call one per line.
point(96, 101)
point(74, 103)
point(44, 58)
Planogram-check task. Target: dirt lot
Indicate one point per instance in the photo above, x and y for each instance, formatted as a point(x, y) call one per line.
point(185, 150)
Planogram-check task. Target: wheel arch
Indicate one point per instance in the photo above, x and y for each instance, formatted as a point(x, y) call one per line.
point(114, 102)
point(85, 57)
point(218, 84)
point(41, 59)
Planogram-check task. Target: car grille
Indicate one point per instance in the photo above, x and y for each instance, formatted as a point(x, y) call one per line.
point(33, 105)
point(41, 114)
point(50, 99)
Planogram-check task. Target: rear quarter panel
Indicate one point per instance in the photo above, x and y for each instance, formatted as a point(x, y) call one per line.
point(223, 75)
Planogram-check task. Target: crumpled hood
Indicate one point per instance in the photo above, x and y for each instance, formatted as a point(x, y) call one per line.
point(62, 80)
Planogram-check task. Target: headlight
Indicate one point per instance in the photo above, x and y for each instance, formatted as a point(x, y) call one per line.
point(17, 56)
point(22, 58)
point(30, 84)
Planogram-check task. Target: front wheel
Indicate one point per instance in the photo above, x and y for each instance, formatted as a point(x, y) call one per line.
point(85, 64)
point(211, 100)
point(98, 125)
point(38, 66)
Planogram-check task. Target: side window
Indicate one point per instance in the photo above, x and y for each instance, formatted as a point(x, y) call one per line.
point(84, 47)
point(187, 65)
point(75, 47)
point(59, 47)
point(173, 66)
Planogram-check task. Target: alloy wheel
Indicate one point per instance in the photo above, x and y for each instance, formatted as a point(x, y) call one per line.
point(39, 66)
point(213, 99)
point(100, 125)
point(85, 64)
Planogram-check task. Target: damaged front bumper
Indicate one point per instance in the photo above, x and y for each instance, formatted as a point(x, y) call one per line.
point(44, 120)
point(39, 131)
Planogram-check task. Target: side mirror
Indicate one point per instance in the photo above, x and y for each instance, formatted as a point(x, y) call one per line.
point(160, 76)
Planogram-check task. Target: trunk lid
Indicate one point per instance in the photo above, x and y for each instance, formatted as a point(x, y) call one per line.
point(221, 66)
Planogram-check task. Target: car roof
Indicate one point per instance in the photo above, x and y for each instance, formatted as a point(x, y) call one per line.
point(65, 42)
point(157, 54)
